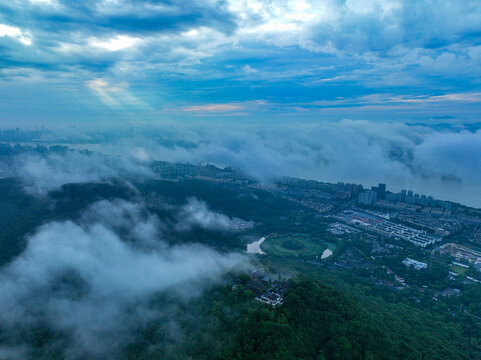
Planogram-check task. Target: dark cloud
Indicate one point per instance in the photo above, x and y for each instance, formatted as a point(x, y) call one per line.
point(96, 17)
point(360, 33)
point(169, 54)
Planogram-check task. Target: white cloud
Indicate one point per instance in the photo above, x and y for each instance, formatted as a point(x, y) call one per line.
point(14, 32)
point(92, 286)
point(42, 174)
point(196, 214)
point(248, 69)
point(213, 108)
point(452, 154)
point(116, 43)
point(53, 3)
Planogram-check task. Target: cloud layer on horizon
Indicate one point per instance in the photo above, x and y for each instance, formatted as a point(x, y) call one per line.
point(347, 150)
point(357, 151)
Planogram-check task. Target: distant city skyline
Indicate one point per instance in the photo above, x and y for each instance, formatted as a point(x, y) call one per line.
point(454, 190)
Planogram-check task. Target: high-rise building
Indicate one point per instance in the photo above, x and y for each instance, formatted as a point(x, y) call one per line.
point(381, 191)
point(416, 199)
point(392, 197)
point(368, 197)
point(447, 205)
point(423, 201)
point(409, 199)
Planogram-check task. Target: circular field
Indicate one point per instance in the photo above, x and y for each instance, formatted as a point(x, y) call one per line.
point(296, 245)
point(292, 244)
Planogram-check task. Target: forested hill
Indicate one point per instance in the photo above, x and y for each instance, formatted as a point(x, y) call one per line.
point(315, 322)
point(318, 322)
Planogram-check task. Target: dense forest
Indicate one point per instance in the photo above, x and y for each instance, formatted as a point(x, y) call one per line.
point(315, 322)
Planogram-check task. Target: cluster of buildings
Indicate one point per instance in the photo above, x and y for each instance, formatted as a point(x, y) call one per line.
point(441, 225)
point(379, 193)
point(415, 199)
point(376, 193)
point(176, 171)
point(387, 228)
point(339, 229)
point(418, 265)
point(22, 134)
point(418, 210)
point(320, 207)
point(312, 188)
point(266, 289)
point(461, 252)
point(273, 297)
point(242, 225)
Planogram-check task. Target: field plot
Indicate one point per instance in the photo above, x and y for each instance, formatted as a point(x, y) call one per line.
point(296, 245)
point(458, 269)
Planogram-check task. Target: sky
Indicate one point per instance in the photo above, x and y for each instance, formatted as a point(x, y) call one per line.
point(111, 62)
